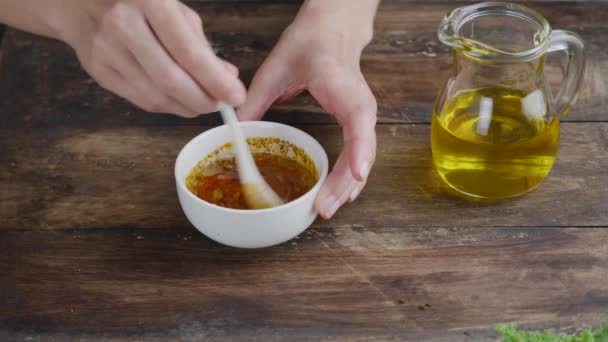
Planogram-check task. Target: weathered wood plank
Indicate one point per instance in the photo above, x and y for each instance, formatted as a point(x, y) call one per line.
point(123, 177)
point(431, 284)
point(405, 66)
point(411, 268)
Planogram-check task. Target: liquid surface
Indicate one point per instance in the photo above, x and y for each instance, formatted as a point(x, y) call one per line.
point(494, 142)
point(218, 182)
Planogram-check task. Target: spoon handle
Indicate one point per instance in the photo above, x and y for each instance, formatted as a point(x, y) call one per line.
point(248, 172)
point(257, 192)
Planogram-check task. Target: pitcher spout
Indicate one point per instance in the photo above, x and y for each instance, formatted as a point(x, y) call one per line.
point(496, 32)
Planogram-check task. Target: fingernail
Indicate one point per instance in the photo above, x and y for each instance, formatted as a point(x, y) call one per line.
point(237, 99)
point(364, 169)
point(330, 206)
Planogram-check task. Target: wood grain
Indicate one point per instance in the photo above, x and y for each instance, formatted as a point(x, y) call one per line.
point(405, 65)
point(95, 246)
point(123, 177)
point(424, 283)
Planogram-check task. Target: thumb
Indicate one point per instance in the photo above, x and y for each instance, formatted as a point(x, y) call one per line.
point(345, 94)
point(233, 70)
point(269, 82)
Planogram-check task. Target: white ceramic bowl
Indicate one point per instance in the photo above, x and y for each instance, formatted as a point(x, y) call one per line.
point(249, 228)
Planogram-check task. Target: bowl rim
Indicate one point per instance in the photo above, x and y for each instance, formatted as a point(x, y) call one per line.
point(322, 172)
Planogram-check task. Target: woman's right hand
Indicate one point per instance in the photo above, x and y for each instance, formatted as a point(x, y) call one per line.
point(153, 53)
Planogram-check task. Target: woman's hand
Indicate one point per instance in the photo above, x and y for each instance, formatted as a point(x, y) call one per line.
point(320, 53)
point(154, 54)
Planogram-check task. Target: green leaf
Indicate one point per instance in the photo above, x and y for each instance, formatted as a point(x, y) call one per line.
point(510, 333)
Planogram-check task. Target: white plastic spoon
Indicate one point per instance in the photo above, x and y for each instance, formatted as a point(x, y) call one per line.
point(258, 194)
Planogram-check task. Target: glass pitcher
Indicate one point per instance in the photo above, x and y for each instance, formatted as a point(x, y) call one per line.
point(495, 128)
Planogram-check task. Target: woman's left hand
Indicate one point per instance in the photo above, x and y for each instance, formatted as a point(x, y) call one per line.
point(317, 54)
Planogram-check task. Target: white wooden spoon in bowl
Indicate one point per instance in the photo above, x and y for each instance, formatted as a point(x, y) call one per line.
point(258, 194)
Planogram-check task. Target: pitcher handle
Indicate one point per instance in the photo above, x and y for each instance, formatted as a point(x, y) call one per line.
point(573, 48)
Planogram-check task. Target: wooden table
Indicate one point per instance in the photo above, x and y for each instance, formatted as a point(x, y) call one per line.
point(94, 245)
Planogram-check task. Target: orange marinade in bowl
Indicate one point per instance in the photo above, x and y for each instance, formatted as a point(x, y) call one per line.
point(284, 166)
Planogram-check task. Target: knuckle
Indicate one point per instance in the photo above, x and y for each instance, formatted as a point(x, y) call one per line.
point(104, 82)
point(171, 87)
point(118, 16)
point(168, 80)
point(195, 18)
point(189, 56)
point(95, 67)
point(152, 6)
point(328, 63)
point(191, 16)
point(362, 109)
point(188, 114)
point(135, 101)
point(366, 105)
point(155, 104)
point(98, 43)
point(373, 104)
point(163, 13)
point(373, 110)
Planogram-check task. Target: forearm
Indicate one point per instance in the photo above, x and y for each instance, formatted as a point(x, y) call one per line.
point(39, 17)
point(353, 17)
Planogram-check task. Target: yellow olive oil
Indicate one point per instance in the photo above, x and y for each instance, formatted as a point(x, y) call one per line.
point(494, 142)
